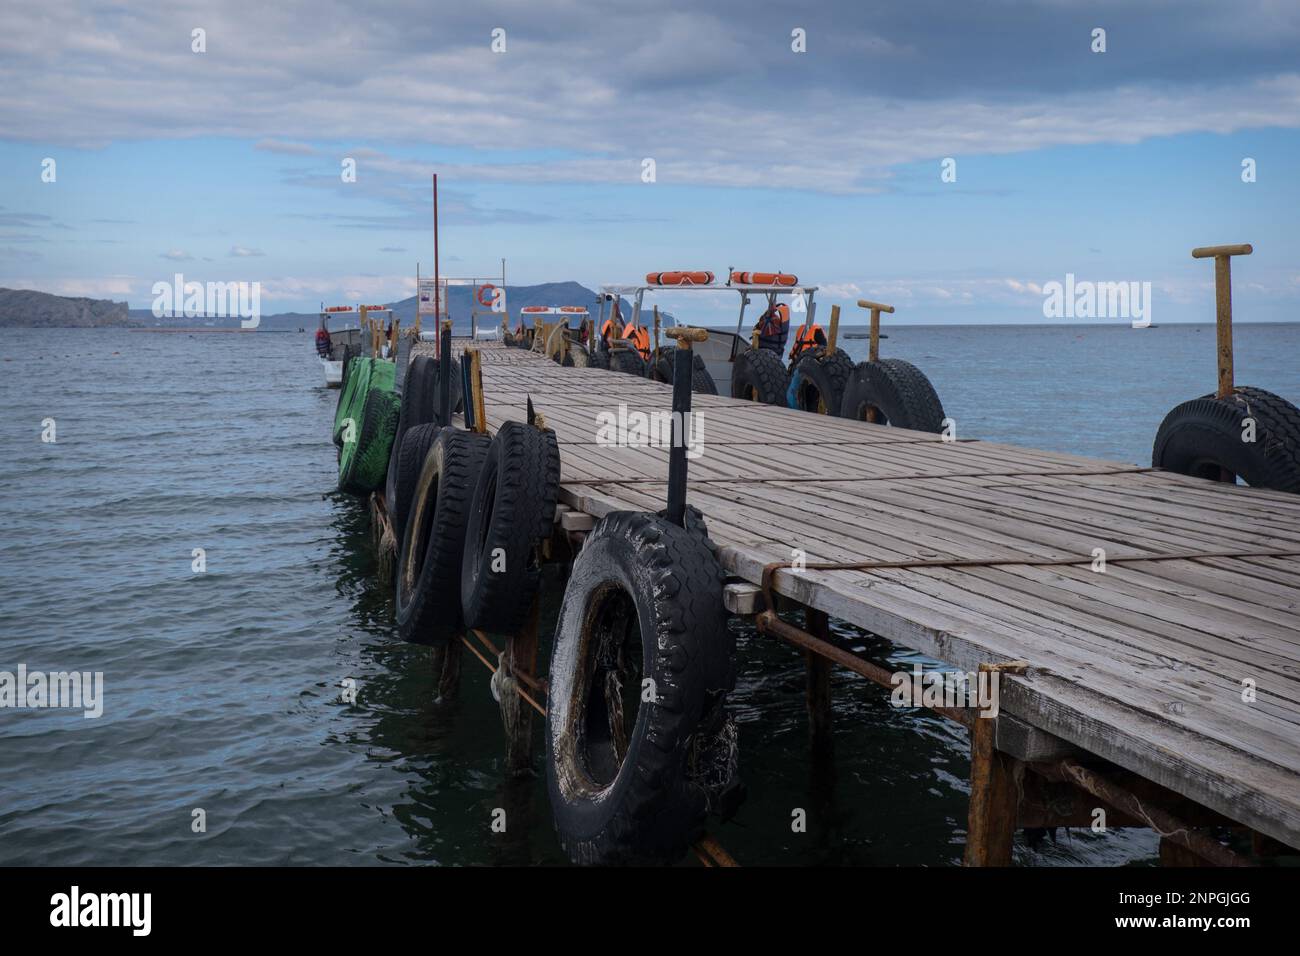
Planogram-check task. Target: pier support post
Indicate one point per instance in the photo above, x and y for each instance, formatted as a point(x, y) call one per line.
point(519, 658)
point(819, 685)
point(445, 661)
point(991, 822)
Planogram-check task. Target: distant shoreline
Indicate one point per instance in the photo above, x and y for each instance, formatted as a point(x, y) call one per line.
point(204, 329)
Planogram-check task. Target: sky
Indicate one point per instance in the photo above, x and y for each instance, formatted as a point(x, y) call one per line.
point(227, 164)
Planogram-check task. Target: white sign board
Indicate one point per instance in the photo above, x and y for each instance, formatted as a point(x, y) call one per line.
point(428, 302)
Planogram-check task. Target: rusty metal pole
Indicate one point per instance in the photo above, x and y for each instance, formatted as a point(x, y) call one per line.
point(1222, 256)
point(437, 286)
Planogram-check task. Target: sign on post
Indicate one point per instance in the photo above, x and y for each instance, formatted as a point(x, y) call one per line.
point(430, 303)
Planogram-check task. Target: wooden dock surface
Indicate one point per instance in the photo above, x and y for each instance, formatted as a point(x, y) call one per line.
point(1145, 665)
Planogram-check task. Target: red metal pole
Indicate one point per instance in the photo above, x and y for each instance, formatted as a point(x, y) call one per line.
point(437, 287)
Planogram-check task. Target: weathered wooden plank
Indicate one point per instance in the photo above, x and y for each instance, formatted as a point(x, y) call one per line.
point(1140, 665)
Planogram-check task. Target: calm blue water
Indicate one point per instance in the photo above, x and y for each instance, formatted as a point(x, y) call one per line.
point(222, 688)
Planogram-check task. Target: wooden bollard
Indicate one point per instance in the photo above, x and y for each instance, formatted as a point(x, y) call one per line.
point(1222, 256)
point(876, 308)
point(835, 329)
point(656, 358)
point(683, 372)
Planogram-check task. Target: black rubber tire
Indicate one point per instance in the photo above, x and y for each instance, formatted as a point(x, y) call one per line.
point(433, 541)
point(514, 511)
point(817, 382)
point(349, 353)
point(405, 472)
point(701, 379)
point(899, 392)
point(418, 408)
point(648, 807)
point(1204, 437)
point(343, 387)
point(758, 376)
point(628, 361)
point(600, 359)
point(420, 395)
point(457, 388)
point(367, 467)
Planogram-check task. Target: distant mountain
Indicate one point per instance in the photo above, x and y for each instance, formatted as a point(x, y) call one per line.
point(460, 303)
point(27, 308)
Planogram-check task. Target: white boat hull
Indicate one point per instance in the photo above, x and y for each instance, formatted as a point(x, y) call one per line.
point(333, 373)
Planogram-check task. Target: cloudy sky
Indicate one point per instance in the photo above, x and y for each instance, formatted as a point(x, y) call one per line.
point(226, 164)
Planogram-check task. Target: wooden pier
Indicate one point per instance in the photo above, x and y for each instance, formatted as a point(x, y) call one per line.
point(1156, 614)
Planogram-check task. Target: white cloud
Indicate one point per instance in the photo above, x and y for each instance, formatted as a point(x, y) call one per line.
point(715, 100)
point(96, 287)
point(242, 252)
point(176, 255)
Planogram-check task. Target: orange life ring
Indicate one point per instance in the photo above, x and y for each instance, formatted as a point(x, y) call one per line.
point(490, 290)
point(573, 308)
point(764, 278)
point(535, 308)
point(679, 278)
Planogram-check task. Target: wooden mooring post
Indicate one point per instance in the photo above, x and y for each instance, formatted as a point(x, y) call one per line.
point(1222, 256)
point(873, 353)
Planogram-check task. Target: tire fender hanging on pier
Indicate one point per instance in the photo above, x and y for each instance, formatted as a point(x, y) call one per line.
point(640, 748)
point(897, 391)
point(1251, 434)
point(513, 512)
point(817, 381)
point(701, 379)
point(759, 376)
point(433, 540)
point(628, 361)
point(419, 407)
point(457, 385)
point(364, 462)
point(405, 472)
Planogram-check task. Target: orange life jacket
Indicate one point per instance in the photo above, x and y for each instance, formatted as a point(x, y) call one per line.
point(773, 328)
point(639, 336)
point(808, 336)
